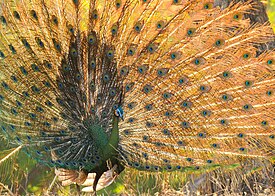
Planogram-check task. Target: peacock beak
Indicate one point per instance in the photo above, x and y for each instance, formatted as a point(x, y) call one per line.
point(119, 112)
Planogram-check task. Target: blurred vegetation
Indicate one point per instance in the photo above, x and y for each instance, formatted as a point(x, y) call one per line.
point(271, 12)
point(20, 175)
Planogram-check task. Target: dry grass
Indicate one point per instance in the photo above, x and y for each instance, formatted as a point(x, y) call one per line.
point(253, 178)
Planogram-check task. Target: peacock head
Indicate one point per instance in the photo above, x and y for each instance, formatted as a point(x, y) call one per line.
point(119, 113)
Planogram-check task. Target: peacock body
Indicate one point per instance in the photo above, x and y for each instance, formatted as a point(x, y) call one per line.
point(150, 84)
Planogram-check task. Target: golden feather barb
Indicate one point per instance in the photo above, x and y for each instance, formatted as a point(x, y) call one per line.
point(194, 88)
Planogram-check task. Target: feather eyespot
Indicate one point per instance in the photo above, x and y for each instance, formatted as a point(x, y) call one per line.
point(142, 69)
point(26, 43)
point(2, 55)
point(23, 71)
point(112, 92)
point(118, 3)
point(71, 29)
point(167, 95)
point(183, 80)
point(270, 62)
point(152, 48)
point(208, 6)
point(76, 2)
point(14, 79)
point(57, 45)
point(138, 27)
point(247, 107)
point(226, 74)
point(226, 97)
point(35, 89)
point(185, 125)
point(219, 42)
point(160, 24)
point(129, 86)
point(145, 138)
point(206, 113)
point(3, 20)
point(114, 29)
point(35, 67)
point(92, 64)
point(166, 132)
point(209, 161)
point(238, 16)
point(168, 113)
point(73, 52)
point(66, 67)
point(131, 51)
point(91, 39)
point(39, 42)
point(223, 122)
point(248, 83)
point(242, 149)
point(214, 145)
point(199, 61)
point(264, 123)
point(269, 93)
point(147, 89)
point(95, 14)
point(16, 15)
point(162, 72)
point(175, 55)
point(55, 20)
point(246, 55)
point(240, 135)
point(186, 104)
point(124, 71)
point(201, 135)
point(110, 54)
point(204, 88)
point(149, 107)
point(12, 49)
point(190, 32)
point(34, 15)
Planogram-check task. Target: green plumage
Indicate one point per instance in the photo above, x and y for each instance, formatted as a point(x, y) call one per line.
point(186, 76)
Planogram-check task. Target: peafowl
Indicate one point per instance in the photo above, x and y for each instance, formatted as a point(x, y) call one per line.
point(97, 86)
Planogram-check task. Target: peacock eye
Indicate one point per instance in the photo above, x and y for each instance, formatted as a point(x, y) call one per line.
point(138, 27)
point(16, 15)
point(124, 71)
point(2, 55)
point(270, 62)
point(191, 31)
point(114, 29)
point(118, 3)
point(91, 39)
point(131, 51)
point(95, 14)
point(160, 24)
point(34, 15)
point(73, 52)
point(219, 42)
point(55, 20)
point(110, 54)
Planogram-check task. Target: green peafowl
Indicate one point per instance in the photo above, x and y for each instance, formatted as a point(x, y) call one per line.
point(96, 86)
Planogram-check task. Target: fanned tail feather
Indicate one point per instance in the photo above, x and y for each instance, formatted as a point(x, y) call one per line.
point(195, 90)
